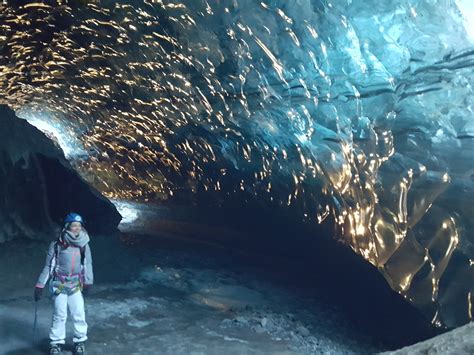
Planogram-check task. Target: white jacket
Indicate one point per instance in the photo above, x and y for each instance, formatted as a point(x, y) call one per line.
point(68, 260)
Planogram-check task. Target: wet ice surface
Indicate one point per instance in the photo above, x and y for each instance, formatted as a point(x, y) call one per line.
point(181, 300)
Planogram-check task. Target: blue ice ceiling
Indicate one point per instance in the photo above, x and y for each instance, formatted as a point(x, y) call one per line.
point(355, 110)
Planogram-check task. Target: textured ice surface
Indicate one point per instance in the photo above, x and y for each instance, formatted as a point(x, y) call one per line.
point(359, 110)
point(458, 341)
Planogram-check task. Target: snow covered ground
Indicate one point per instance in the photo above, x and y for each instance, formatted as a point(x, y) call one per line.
point(176, 300)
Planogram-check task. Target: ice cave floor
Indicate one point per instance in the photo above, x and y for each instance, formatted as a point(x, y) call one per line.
point(176, 299)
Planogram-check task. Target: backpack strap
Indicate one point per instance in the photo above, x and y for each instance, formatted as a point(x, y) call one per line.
point(83, 254)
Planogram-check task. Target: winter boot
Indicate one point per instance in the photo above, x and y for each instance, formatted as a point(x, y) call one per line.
point(54, 349)
point(79, 348)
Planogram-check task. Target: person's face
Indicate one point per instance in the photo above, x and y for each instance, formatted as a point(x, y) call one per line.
point(75, 227)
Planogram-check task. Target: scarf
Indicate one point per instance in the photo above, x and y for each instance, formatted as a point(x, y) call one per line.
point(80, 240)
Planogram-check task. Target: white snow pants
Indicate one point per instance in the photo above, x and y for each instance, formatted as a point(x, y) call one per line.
point(75, 303)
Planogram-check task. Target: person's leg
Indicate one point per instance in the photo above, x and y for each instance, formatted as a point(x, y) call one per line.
point(57, 333)
point(76, 308)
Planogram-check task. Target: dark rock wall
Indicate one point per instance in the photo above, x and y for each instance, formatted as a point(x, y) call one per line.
point(38, 186)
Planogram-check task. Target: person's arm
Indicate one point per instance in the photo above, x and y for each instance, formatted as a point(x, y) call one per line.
point(89, 272)
point(44, 276)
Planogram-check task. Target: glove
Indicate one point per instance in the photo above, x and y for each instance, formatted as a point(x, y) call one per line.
point(86, 289)
point(38, 293)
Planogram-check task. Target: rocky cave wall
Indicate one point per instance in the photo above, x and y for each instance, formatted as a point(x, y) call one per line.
point(38, 186)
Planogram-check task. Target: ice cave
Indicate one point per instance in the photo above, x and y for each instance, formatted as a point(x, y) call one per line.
point(255, 177)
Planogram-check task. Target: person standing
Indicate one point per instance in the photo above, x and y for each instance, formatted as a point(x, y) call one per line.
point(68, 268)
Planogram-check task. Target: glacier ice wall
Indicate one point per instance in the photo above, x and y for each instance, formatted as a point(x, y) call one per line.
point(359, 111)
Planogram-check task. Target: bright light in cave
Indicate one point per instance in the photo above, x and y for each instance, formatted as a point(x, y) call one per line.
point(70, 145)
point(127, 210)
point(467, 9)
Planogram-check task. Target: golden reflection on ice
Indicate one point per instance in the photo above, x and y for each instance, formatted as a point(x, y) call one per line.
point(140, 87)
